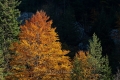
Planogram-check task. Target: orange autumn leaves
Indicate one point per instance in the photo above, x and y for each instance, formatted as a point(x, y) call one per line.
point(38, 53)
point(85, 66)
point(81, 67)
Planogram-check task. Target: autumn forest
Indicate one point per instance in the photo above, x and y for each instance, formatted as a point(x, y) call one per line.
point(59, 39)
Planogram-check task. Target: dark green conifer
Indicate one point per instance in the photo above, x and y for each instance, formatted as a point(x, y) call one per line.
point(9, 29)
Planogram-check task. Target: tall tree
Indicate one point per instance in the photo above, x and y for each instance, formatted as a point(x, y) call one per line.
point(9, 27)
point(99, 63)
point(38, 54)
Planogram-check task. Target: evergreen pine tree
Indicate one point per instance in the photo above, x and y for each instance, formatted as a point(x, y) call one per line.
point(100, 64)
point(9, 29)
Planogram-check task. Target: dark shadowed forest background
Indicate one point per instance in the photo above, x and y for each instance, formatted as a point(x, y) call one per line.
point(77, 20)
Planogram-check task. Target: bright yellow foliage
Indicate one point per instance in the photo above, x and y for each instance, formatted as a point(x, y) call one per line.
point(38, 54)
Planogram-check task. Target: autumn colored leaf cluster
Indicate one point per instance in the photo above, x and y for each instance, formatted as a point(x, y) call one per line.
point(81, 67)
point(38, 53)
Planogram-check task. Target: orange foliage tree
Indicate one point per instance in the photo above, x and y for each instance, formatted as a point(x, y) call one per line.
point(82, 69)
point(38, 53)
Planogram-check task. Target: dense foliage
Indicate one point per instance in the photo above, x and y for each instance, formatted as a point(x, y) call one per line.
point(38, 54)
point(82, 69)
point(91, 65)
point(100, 64)
point(9, 29)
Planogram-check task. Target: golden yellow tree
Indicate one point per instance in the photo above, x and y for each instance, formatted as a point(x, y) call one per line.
point(82, 69)
point(38, 54)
